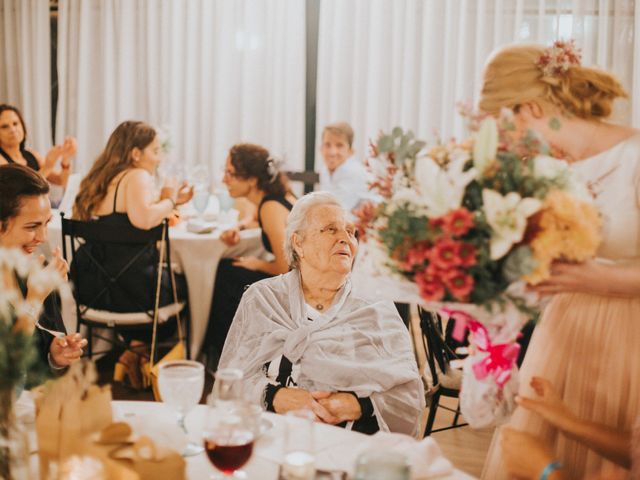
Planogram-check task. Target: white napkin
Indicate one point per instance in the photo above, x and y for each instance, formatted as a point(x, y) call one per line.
point(425, 456)
point(336, 450)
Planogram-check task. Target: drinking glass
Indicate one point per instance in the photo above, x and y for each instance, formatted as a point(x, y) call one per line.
point(299, 459)
point(228, 436)
point(200, 198)
point(382, 465)
point(225, 200)
point(227, 387)
point(181, 383)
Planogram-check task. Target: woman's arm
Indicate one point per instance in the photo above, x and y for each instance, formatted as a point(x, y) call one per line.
point(143, 210)
point(611, 443)
point(593, 277)
point(274, 219)
point(63, 152)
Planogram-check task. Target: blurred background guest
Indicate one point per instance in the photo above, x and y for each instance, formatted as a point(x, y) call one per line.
point(119, 190)
point(304, 340)
point(24, 214)
point(55, 166)
point(250, 173)
point(342, 174)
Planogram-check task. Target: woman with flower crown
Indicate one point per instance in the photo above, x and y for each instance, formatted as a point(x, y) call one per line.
point(586, 342)
point(250, 173)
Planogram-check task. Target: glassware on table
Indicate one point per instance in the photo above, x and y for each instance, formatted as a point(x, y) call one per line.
point(228, 435)
point(227, 387)
point(181, 383)
point(382, 465)
point(299, 457)
point(200, 198)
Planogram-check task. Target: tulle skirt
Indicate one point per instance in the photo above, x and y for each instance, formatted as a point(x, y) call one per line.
point(588, 346)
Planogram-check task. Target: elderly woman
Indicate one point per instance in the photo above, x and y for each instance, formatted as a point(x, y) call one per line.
point(304, 340)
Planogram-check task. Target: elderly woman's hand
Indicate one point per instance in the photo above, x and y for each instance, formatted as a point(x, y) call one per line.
point(342, 406)
point(64, 351)
point(287, 399)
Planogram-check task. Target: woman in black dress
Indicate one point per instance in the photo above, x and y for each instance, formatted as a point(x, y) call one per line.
point(55, 166)
point(119, 191)
point(249, 173)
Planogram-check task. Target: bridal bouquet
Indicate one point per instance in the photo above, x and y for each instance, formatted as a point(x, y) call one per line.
point(471, 224)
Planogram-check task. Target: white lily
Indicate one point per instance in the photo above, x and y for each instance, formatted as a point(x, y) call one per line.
point(545, 166)
point(442, 189)
point(507, 215)
point(485, 145)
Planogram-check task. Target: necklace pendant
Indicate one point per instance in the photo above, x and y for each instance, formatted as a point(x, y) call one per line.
point(319, 306)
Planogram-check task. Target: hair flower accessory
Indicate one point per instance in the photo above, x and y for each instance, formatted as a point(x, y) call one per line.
point(559, 57)
point(272, 169)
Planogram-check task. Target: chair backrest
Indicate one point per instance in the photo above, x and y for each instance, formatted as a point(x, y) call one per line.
point(76, 235)
point(308, 178)
point(439, 354)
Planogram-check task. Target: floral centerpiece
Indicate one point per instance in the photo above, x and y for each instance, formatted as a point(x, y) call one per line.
point(18, 355)
point(471, 224)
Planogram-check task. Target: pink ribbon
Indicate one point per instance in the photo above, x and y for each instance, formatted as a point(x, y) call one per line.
point(501, 357)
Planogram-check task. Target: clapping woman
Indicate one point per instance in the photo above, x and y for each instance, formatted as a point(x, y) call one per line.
point(119, 190)
point(55, 166)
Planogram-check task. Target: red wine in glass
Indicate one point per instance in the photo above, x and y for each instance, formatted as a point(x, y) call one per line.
point(231, 453)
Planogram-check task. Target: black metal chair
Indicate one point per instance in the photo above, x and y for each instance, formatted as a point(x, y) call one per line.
point(152, 245)
point(446, 379)
point(308, 178)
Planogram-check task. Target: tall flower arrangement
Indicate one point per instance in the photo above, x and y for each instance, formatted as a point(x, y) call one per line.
point(471, 224)
point(18, 355)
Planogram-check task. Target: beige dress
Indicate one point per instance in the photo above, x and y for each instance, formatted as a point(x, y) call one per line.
point(588, 346)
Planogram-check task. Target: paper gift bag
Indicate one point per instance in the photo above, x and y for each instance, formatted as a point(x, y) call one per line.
point(150, 461)
point(69, 408)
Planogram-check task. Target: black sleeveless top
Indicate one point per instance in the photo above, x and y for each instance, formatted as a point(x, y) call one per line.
point(32, 162)
point(136, 288)
point(282, 201)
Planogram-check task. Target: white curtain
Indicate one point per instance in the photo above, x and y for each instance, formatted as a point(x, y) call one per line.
point(210, 73)
point(384, 63)
point(25, 66)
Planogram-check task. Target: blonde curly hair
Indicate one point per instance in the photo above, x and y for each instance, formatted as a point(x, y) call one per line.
point(512, 77)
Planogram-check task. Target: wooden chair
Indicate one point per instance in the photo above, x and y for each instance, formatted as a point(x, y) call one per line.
point(308, 178)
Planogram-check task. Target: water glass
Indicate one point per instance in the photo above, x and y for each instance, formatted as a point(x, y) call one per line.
point(200, 198)
point(225, 200)
point(382, 465)
point(181, 383)
point(299, 457)
point(227, 387)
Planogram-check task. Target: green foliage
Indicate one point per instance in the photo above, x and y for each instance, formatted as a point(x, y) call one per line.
point(518, 263)
point(401, 145)
point(404, 229)
point(18, 357)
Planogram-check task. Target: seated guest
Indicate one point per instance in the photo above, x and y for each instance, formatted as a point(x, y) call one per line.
point(529, 457)
point(304, 340)
point(25, 212)
point(343, 174)
point(119, 190)
point(13, 138)
point(252, 174)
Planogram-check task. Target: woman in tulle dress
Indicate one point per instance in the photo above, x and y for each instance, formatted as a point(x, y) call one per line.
point(586, 343)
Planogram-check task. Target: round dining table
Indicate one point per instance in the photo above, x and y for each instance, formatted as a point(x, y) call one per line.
point(335, 449)
point(197, 256)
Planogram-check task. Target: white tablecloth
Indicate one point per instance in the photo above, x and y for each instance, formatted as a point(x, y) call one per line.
point(335, 448)
point(198, 256)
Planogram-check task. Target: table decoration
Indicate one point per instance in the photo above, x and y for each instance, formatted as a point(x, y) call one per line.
point(19, 358)
point(472, 224)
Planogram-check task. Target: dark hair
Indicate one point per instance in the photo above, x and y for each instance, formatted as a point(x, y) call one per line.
point(16, 182)
point(254, 161)
point(4, 107)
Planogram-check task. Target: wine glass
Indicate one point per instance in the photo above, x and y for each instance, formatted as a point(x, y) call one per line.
point(200, 198)
point(228, 435)
point(181, 383)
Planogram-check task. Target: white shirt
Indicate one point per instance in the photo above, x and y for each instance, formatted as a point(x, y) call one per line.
point(349, 183)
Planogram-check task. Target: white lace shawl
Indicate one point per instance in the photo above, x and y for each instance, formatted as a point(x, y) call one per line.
point(355, 346)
